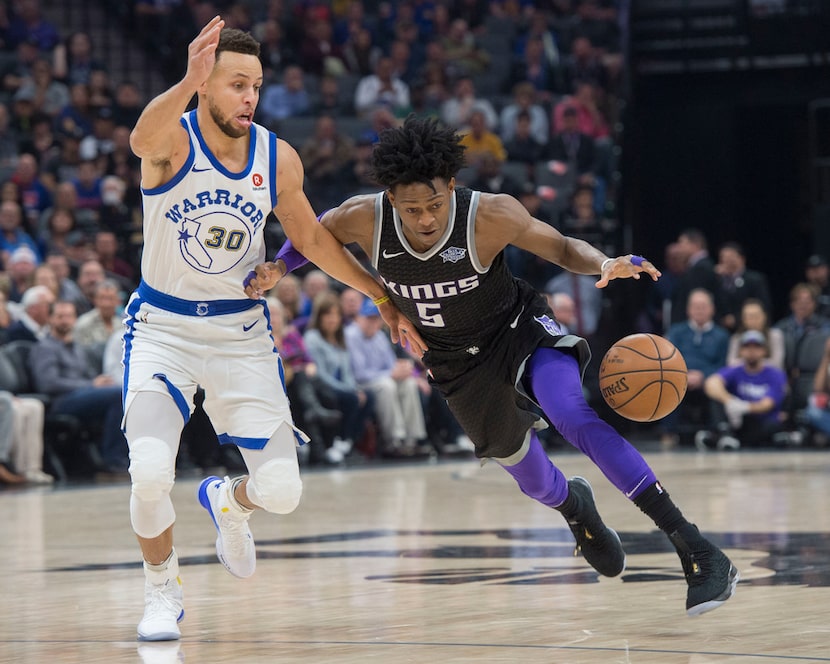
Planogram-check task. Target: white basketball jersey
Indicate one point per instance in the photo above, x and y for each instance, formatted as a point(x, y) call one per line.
point(203, 230)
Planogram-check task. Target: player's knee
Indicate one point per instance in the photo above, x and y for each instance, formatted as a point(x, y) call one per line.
point(278, 486)
point(151, 468)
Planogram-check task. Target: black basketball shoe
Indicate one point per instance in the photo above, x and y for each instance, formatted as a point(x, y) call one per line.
point(710, 575)
point(600, 545)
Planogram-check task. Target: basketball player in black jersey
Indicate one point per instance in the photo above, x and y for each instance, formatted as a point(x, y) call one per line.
point(492, 344)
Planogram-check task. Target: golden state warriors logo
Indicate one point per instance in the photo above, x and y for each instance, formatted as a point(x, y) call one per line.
point(215, 242)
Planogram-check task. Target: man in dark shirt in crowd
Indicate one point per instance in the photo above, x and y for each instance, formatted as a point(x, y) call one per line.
point(61, 370)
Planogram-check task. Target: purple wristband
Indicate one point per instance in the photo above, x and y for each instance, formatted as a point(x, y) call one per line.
point(637, 260)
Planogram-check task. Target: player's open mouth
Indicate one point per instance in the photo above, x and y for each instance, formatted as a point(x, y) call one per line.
point(245, 120)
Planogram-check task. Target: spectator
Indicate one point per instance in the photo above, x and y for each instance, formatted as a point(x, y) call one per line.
point(524, 101)
point(461, 49)
point(329, 101)
point(392, 381)
point(287, 99)
point(34, 192)
point(20, 268)
point(817, 273)
point(48, 95)
point(571, 146)
point(29, 25)
point(45, 276)
point(127, 104)
point(585, 64)
point(60, 225)
point(6, 319)
point(458, 109)
point(8, 144)
point(75, 119)
point(301, 384)
point(351, 301)
point(26, 437)
point(61, 371)
point(818, 405)
point(804, 334)
point(360, 53)
point(117, 218)
point(699, 273)
point(68, 289)
point(105, 245)
point(325, 341)
point(99, 144)
point(97, 325)
point(750, 396)
point(32, 322)
point(737, 284)
point(754, 317)
point(490, 177)
point(587, 298)
point(564, 310)
point(326, 156)
point(18, 67)
point(318, 52)
point(381, 89)
point(73, 59)
point(44, 145)
point(100, 89)
point(274, 53)
point(523, 147)
point(90, 274)
point(7, 474)
point(534, 68)
point(290, 294)
point(88, 186)
point(314, 283)
point(581, 220)
point(703, 344)
point(12, 234)
point(481, 142)
point(589, 118)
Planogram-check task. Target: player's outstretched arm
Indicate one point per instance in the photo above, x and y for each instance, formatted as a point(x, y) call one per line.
point(503, 220)
point(158, 137)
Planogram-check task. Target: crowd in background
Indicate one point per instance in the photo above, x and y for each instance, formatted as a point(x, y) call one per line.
point(534, 90)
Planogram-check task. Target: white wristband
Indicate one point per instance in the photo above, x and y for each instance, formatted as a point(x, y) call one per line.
point(604, 263)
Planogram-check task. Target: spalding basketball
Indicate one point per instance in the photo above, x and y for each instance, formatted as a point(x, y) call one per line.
point(643, 377)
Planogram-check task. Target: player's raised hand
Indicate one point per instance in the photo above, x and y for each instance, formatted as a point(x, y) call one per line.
point(201, 52)
point(262, 278)
point(626, 266)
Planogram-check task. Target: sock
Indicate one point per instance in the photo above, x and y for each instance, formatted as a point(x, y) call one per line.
point(536, 476)
point(159, 574)
point(655, 503)
point(235, 482)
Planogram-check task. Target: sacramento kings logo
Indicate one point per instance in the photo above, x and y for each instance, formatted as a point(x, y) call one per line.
point(453, 254)
point(215, 242)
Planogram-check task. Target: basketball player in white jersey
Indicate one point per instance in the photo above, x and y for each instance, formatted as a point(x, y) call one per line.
point(209, 179)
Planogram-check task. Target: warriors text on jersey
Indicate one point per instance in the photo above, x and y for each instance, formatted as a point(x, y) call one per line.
point(210, 222)
point(455, 301)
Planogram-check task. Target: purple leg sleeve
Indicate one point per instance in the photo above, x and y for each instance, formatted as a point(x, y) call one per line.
point(554, 377)
point(538, 477)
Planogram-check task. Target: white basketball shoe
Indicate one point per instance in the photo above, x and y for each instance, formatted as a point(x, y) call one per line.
point(163, 603)
point(234, 543)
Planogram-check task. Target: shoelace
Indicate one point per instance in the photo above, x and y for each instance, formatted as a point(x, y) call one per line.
point(160, 601)
point(236, 535)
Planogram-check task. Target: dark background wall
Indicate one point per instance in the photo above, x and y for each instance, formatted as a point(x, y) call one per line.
point(727, 153)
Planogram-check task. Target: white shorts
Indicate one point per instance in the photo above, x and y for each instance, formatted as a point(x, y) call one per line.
point(231, 356)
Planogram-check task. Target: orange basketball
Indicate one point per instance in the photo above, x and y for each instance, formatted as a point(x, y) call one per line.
point(643, 377)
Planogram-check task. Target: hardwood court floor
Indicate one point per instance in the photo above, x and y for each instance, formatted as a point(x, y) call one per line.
point(442, 562)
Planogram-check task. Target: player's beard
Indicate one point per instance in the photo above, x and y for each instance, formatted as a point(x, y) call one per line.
point(226, 126)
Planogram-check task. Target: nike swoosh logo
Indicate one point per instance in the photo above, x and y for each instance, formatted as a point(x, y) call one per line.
point(386, 254)
point(200, 170)
point(245, 328)
point(516, 321)
point(628, 494)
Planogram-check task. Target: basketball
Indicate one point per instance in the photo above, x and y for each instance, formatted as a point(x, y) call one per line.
point(643, 377)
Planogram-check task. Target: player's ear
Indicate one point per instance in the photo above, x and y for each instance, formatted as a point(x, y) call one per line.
point(391, 197)
point(451, 184)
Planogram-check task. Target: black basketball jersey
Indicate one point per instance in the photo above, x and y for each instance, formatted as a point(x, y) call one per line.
point(456, 302)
